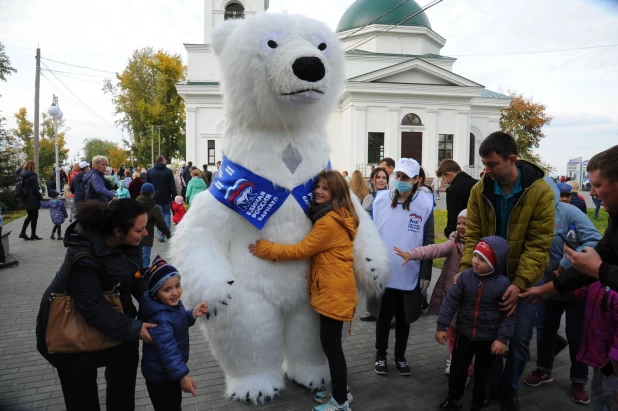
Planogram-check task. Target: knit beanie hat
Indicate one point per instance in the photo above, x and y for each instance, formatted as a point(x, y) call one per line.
point(53, 193)
point(178, 199)
point(147, 188)
point(486, 253)
point(464, 213)
point(158, 273)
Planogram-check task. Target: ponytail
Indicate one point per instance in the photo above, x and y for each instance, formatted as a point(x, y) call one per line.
point(105, 217)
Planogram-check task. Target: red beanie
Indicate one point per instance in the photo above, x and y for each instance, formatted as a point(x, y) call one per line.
point(484, 250)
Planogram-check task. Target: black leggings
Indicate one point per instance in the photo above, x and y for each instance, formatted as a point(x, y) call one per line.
point(32, 219)
point(463, 352)
point(392, 305)
point(165, 396)
point(330, 336)
point(57, 227)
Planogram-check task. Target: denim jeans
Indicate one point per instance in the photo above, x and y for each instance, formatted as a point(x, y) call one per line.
point(597, 207)
point(550, 314)
point(508, 374)
point(166, 210)
point(146, 250)
point(603, 391)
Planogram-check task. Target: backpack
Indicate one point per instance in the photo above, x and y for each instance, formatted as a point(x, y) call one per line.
point(21, 189)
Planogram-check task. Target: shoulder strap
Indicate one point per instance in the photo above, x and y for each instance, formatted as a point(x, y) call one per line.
point(82, 256)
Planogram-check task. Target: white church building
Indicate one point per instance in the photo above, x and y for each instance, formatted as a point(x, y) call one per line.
point(402, 98)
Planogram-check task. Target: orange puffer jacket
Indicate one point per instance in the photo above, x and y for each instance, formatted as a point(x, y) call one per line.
point(332, 286)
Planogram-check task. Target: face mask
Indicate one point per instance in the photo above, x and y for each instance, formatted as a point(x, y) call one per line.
point(403, 186)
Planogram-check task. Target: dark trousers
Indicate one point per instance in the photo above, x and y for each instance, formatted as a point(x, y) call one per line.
point(464, 350)
point(330, 337)
point(80, 390)
point(57, 227)
point(392, 304)
point(165, 396)
point(32, 219)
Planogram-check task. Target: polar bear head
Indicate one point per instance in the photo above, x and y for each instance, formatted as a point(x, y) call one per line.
point(279, 71)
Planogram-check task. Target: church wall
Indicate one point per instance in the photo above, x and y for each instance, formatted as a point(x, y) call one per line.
point(208, 127)
point(202, 63)
point(413, 77)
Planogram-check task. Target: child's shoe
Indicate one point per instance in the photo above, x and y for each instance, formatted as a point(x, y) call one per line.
point(60, 238)
point(52, 237)
point(450, 404)
point(333, 406)
point(380, 366)
point(324, 396)
point(402, 367)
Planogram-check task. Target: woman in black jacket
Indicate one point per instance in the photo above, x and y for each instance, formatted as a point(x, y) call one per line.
point(32, 201)
point(111, 234)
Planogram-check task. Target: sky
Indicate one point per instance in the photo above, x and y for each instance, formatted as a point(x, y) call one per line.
point(578, 87)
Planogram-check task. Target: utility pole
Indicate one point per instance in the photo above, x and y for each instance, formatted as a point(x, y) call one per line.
point(37, 85)
point(159, 128)
point(152, 144)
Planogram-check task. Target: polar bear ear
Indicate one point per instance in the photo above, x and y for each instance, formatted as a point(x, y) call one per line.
point(222, 33)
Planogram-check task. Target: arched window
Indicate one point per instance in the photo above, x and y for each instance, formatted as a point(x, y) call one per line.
point(472, 155)
point(411, 119)
point(234, 11)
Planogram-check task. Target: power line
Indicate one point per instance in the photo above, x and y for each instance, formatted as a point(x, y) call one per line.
point(533, 52)
point(370, 23)
point(360, 43)
point(73, 65)
point(80, 74)
point(77, 78)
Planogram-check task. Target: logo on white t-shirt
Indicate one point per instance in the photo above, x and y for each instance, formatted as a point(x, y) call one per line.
point(415, 223)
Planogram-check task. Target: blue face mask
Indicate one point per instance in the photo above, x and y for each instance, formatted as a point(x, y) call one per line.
point(402, 186)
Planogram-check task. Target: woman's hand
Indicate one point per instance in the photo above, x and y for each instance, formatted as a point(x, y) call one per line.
point(188, 385)
point(253, 248)
point(441, 337)
point(406, 256)
point(144, 335)
point(200, 310)
point(536, 295)
point(498, 348)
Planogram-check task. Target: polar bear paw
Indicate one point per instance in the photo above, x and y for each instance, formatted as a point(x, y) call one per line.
point(314, 377)
point(257, 388)
point(372, 274)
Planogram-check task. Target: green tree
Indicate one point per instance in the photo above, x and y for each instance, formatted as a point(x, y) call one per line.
point(9, 161)
point(25, 132)
point(524, 119)
point(47, 144)
point(145, 95)
point(97, 147)
point(116, 156)
point(5, 64)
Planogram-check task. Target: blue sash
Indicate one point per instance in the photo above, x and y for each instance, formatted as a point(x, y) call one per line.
point(254, 197)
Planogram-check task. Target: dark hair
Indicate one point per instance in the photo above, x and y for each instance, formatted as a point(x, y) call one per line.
point(606, 163)
point(190, 163)
point(375, 173)
point(407, 201)
point(503, 144)
point(105, 217)
point(448, 165)
point(159, 159)
point(422, 177)
point(389, 162)
point(205, 166)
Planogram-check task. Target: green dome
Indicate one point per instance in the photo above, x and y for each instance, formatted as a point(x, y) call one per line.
point(363, 12)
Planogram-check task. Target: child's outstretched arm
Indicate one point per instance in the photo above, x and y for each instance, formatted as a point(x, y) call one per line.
point(199, 310)
point(428, 252)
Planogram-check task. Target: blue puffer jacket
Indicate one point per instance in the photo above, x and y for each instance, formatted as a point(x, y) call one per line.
point(477, 297)
point(94, 186)
point(167, 359)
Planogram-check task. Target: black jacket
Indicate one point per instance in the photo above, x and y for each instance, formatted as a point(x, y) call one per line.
point(32, 201)
point(78, 187)
point(208, 175)
point(154, 217)
point(457, 195)
point(162, 178)
point(85, 287)
point(607, 248)
point(579, 203)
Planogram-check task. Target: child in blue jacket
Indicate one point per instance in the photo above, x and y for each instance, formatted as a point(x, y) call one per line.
point(164, 365)
point(482, 329)
point(57, 211)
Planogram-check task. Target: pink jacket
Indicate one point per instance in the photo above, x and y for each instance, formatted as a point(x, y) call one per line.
point(600, 341)
point(452, 251)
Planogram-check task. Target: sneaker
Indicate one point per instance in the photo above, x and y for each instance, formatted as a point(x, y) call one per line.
point(493, 391)
point(332, 405)
point(368, 317)
point(448, 368)
point(402, 367)
point(450, 404)
point(323, 396)
point(161, 240)
point(579, 394)
point(381, 367)
point(509, 400)
point(537, 378)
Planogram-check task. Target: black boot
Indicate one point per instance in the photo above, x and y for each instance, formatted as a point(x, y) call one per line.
point(35, 237)
point(24, 236)
point(509, 400)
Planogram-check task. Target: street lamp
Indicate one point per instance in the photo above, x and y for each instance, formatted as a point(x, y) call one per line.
point(55, 112)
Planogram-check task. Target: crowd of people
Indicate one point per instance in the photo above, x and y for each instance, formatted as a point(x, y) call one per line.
point(511, 266)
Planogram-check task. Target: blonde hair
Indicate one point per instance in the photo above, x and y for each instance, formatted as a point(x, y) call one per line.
point(358, 185)
point(135, 175)
point(338, 186)
point(29, 166)
point(96, 160)
point(574, 185)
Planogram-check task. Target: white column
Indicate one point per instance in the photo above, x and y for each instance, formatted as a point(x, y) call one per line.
point(430, 141)
point(191, 135)
point(208, 7)
point(392, 139)
point(461, 140)
point(358, 154)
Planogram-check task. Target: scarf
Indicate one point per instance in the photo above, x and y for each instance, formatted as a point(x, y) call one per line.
point(317, 211)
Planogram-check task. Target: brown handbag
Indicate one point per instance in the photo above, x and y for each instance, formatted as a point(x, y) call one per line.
point(67, 331)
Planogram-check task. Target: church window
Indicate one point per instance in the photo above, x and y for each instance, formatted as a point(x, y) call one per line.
point(445, 146)
point(211, 152)
point(234, 11)
point(375, 148)
point(411, 119)
point(472, 154)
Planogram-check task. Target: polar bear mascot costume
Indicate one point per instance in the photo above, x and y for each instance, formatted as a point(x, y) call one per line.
point(281, 77)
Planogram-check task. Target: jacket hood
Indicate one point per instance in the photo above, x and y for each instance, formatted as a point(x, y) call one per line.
point(149, 307)
point(554, 188)
point(198, 182)
point(146, 202)
point(500, 248)
point(159, 166)
point(345, 220)
point(529, 173)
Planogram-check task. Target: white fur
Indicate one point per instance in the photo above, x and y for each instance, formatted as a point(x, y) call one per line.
point(264, 325)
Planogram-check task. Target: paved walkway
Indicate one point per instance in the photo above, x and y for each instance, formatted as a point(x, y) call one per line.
point(28, 382)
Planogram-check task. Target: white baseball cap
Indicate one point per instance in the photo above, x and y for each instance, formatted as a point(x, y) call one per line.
point(408, 166)
point(83, 165)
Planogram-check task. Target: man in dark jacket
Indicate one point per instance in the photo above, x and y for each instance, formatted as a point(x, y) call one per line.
point(146, 200)
point(457, 193)
point(208, 174)
point(162, 178)
point(78, 186)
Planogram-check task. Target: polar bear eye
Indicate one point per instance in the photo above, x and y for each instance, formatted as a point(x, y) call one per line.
point(272, 44)
point(322, 46)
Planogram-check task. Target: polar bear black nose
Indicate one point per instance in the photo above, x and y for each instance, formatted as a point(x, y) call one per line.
point(309, 69)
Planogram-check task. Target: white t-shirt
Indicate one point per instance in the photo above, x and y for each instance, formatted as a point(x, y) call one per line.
point(403, 229)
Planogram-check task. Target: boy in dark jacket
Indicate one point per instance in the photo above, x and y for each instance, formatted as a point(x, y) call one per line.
point(57, 211)
point(164, 365)
point(482, 330)
point(146, 199)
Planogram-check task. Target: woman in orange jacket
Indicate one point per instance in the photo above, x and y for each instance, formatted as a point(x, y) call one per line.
point(332, 286)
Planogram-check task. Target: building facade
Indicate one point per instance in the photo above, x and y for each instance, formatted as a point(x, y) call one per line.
point(402, 98)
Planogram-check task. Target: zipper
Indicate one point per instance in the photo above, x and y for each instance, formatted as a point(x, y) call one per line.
point(476, 309)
